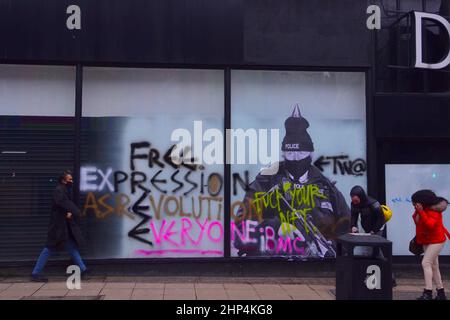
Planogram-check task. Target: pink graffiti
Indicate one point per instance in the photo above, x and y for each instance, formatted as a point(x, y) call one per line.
point(179, 251)
point(284, 245)
point(219, 225)
point(247, 226)
point(188, 233)
point(287, 245)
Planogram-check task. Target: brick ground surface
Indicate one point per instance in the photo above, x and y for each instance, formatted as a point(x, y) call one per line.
point(187, 288)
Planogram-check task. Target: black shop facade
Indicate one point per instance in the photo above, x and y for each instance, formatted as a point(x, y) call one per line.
point(355, 93)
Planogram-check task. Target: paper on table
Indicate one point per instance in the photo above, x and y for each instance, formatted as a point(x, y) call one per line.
point(361, 234)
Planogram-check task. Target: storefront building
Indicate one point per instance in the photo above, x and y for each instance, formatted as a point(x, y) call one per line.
point(103, 87)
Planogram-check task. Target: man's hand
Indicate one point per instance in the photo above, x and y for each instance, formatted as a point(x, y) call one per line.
point(289, 230)
point(69, 215)
point(354, 230)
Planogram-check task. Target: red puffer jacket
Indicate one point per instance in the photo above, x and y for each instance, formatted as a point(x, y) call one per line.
point(429, 226)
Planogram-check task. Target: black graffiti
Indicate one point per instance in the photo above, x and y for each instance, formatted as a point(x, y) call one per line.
point(194, 185)
point(138, 210)
point(342, 165)
point(137, 179)
point(174, 179)
point(145, 183)
point(168, 159)
point(119, 177)
point(134, 156)
point(154, 181)
point(140, 180)
point(152, 156)
point(244, 184)
point(359, 166)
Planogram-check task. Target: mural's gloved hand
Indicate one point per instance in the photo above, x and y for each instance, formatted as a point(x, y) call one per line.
point(288, 230)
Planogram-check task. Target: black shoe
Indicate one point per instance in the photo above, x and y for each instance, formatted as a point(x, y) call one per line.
point(440, 294)
point(426, 295)
point(38, 278)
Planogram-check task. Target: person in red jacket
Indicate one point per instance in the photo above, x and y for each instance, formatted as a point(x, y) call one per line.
point(431, 234)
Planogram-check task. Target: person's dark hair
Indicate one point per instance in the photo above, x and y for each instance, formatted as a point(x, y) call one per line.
point(359, 192)
point(63, 175)
point(426, 197)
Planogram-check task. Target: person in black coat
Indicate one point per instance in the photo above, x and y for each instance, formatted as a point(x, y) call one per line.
point(63, 230)
point(372, 217)
point(369, 209)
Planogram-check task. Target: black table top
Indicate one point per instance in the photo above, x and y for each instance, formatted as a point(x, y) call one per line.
point(361, 239)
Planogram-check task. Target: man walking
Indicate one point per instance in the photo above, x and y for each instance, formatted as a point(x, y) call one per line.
point(63, 230)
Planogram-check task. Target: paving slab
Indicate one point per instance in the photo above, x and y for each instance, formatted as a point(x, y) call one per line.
point(151, 285)
point(238, 286)
point(211, 294)
point(4, 286)
point(188, 288)
point(407, 288)
point(51, 293)
point(209, 286)
point(26, 285)
point(179, 294)
point(84, 292)
point(54, 286)
point(11, 297)
point(323, 291)
point(234, 294)
point(148, 292)
point(149, 297)
point(116, 291)
point(18, 292)
point(120, 285)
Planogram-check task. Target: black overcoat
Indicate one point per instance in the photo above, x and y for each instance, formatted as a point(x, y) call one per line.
point(60, 228)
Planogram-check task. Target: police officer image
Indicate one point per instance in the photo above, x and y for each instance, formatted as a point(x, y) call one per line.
point(295, 200)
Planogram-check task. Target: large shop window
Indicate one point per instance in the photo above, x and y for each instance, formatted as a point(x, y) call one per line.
point(290, 191)
point(139, 201)
point(37, 106)
point(402, 180)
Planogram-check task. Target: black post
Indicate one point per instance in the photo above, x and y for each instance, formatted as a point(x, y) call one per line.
point(371, 142)
point(227, 166)
point(77, 142)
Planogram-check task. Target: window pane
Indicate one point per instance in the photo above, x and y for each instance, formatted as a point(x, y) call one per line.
point(37, 90)
point(325, 143)
point(402, 181)
point(37, 105)
point(178, 210)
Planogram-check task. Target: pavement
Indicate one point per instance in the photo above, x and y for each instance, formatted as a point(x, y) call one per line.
point(186, 288)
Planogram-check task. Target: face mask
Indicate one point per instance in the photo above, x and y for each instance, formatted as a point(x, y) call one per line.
point(298, 168)
point(296, 155)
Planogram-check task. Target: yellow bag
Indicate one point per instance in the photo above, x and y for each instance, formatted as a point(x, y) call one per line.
point(387, 212)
